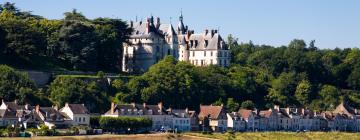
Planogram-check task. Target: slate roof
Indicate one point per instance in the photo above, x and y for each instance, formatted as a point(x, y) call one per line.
point(51, 114)
point(137, 109)
point(182, 113)
point(78, 109)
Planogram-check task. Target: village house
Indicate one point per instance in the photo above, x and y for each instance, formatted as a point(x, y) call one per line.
point(157, 113)
point(184, 120)
point(273, 117)
point(252, 120)
point(51, 117)
point(213, 117)
point(11, 113)
point(77, 113)
point(235, 122)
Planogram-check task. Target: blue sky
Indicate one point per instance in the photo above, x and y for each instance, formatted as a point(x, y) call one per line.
point(332, 23)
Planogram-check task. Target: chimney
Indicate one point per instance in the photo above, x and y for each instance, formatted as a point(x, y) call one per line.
point(37, 109)
point(112, 108)
point(277, 107)
point(55, 107)
point(133, 104)
point(148, 26)
point(144, 105)
point(15, 101)
point(287, 110)
point(131, 24)
point(157, 22)
point(170, 110)
point(160, 105)
point(215, 31)
point(303, 111)
point(222, 104)
point(206, 31)
point(212, 33)
point(187, 110)
point(66, 104)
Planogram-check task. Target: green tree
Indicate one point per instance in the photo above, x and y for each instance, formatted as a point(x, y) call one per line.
point(330, 97)
point(75, 90)
point(303, 92)
point(231, 105)
point(23, 38)
point(248, 104)
point(282, 89)
point(16, 85)
point(78, 45)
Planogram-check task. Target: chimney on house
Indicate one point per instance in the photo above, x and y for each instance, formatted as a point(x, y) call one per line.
point(277, 107)
point(37, 109)
point(131, 23)
point(160, 105)
point(215, 31)
point(148, 25)
point(112, 108)
point(66, 104)
point(15, 101)
point(55, 107)
point(206, 31)
point(170, 110)
point(302, 111)
point(222, 104)
point(144, 105)
point(133, 104)
point(212, 33)
point(187, 110)
point(288, 110)
point(157, 22)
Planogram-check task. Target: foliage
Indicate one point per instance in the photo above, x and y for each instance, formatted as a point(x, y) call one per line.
point(248, 104)
point(75, 90)
point(118, 124)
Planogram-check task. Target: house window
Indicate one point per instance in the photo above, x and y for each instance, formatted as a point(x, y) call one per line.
point(204, 53)
point(168, 51)
point(211, 53)
point(193, 53)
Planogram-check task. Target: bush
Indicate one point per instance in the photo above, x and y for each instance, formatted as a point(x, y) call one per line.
point(121, 124)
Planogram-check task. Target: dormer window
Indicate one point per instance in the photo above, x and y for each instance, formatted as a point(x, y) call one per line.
point(206, 43)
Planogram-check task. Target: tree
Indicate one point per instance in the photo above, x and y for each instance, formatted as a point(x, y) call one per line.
point(74, 15)
point(282, 89)
point(111, 33)
point(231, 105)
point(16, 85)
point(330, 97)
point(2, 40)
point(67, 89)
point(303, 91)
point(23, 39)
point(248, 104)
point(354, 78)
point(78, 45)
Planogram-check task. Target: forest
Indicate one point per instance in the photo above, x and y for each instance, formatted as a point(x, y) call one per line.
point(298, 74)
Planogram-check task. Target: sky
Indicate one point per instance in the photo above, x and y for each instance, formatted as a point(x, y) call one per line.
point(332, 23)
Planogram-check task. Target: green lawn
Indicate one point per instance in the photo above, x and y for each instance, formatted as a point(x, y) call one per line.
point(282, 136)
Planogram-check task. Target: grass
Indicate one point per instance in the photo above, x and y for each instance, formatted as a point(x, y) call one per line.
point(281, 136)
point(114, 137)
